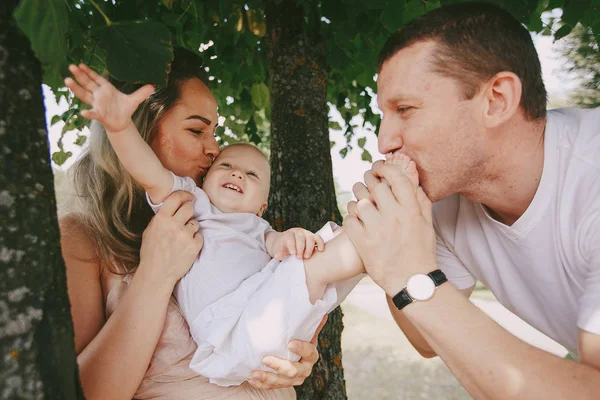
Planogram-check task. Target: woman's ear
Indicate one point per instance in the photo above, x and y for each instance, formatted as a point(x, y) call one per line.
point(502, 98)
point(262, 209)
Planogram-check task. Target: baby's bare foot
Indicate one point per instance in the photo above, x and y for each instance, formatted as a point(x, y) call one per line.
point(407, 165)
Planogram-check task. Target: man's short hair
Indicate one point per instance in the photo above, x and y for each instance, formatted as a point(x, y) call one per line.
point(475, 42)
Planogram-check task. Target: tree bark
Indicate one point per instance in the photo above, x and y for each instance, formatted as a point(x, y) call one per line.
point(37, 359)
point(302, 189)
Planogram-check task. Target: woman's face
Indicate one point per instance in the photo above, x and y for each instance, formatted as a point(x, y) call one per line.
point(185, 142)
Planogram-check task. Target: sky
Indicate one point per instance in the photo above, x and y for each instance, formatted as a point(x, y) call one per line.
point(350, 169)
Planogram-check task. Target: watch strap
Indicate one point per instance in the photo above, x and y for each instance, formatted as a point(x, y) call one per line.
point(402, 298)
point(438, 277)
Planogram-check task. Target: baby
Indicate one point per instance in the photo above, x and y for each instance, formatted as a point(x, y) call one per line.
point(240, 301)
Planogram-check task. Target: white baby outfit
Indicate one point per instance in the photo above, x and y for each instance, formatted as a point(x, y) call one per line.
point(240, 304)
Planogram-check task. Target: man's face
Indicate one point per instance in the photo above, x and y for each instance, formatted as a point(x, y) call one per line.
point(426, 117)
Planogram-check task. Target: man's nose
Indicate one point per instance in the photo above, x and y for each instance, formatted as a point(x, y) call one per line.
point(389, 138)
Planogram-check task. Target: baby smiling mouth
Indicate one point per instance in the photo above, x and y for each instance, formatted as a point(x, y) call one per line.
point(233, 187)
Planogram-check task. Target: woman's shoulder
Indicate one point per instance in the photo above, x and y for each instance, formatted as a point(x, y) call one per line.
point(76, 240)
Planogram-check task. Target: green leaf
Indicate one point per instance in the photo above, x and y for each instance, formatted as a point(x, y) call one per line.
point(335, 126)
point(563, 31)
point(60, 157)
point(260, 95)
point(362, 142)
point(344, 152)
point(138, 51)
point(46, 23)
point(80, 141)
point(366, 156)
point(392, 15)
point(55, 119)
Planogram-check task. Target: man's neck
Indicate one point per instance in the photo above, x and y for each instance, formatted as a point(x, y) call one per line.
point(513, 175)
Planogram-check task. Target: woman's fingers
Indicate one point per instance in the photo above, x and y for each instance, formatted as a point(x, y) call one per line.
point(192, 225)
point(184, 213)
point(174, 201)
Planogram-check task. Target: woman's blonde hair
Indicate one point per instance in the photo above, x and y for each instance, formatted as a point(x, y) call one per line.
point(108, 201)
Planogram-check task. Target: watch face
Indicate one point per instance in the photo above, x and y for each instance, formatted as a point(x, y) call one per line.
point(420, 287)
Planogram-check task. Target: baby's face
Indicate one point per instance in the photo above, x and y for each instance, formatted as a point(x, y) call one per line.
point(239, 180)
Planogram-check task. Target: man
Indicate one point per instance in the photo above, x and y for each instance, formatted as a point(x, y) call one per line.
point(517, 193)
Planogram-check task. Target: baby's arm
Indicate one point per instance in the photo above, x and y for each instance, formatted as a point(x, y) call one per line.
point(334, 262)
point(113, 109)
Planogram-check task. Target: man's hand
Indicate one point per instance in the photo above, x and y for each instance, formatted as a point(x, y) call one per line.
point(391, 228)
point(295, 241)
point(289, 373)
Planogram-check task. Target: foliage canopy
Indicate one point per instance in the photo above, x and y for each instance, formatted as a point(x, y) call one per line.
point(134, 41)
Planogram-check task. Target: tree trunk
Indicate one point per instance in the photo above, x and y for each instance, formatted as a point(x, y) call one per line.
point(302, 189)
point(36, 332)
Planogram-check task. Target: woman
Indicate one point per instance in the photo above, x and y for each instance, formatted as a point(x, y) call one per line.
point(143, 350)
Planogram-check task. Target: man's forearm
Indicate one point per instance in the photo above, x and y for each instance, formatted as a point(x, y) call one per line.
point(410, 331)
point(490, 362)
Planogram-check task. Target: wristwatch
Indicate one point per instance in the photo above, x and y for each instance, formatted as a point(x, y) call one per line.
point(419, 287)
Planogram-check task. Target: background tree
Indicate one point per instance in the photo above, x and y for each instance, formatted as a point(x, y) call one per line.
point(580, 49)
point(276, 65)
point(37, 358)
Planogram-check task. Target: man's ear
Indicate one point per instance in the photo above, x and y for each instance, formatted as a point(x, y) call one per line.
point(502, 97)
point(262, 209)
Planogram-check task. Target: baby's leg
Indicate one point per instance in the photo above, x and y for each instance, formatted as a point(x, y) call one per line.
point(406, 165)
point(339, 261)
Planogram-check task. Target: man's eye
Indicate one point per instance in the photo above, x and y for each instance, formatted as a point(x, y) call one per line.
point(196, 132)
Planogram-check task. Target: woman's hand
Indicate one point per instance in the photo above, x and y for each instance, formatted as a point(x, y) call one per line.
point(112, 108)
point(289, 373)
point(171, 242)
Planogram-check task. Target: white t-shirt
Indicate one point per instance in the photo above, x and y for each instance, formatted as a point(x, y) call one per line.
point(546, 266)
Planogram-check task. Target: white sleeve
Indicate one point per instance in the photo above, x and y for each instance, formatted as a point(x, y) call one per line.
point(186, 184)
point(454, 269)
point(589, 309)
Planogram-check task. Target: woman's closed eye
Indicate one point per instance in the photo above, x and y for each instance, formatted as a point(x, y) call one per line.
point(197, 131)
point(404, 109)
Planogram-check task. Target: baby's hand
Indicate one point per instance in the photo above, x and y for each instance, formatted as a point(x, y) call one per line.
point(112, 108)
point(296, 241)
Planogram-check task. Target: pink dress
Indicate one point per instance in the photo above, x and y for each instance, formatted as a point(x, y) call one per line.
point(169, 375)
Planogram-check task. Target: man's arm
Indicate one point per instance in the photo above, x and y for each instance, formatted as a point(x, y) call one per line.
point(412, 333)
point(488, 361)
point(491, 363)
